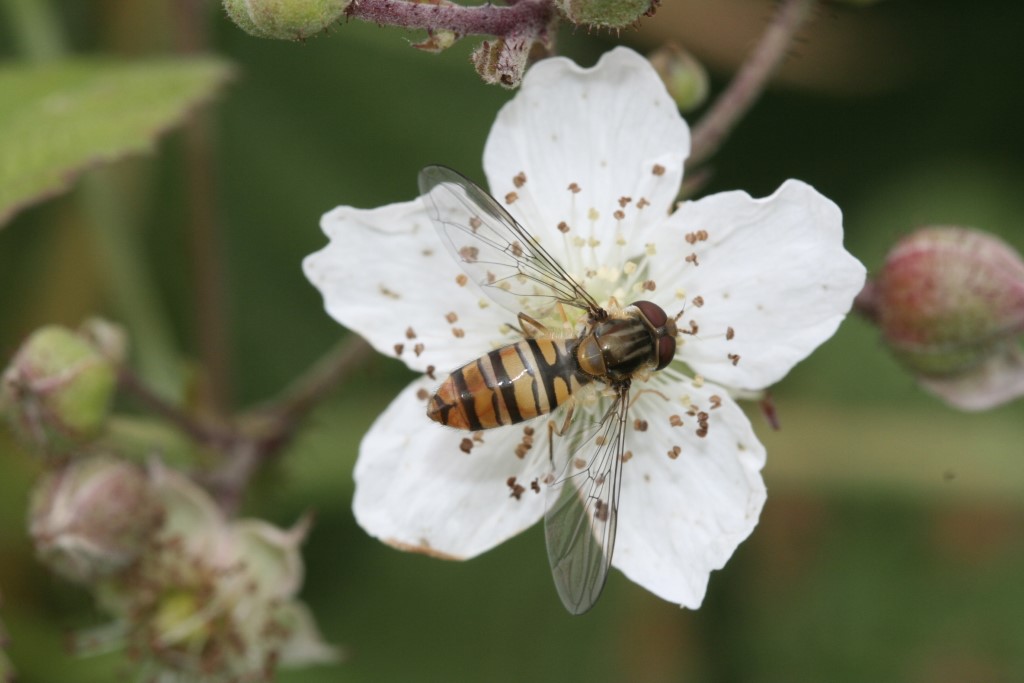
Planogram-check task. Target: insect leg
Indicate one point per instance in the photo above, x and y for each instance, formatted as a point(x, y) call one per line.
point(530, 327)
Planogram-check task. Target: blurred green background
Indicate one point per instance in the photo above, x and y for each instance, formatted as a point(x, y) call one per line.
point(892, 544)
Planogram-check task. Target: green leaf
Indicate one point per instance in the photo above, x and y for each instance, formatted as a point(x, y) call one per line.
point(59, 118)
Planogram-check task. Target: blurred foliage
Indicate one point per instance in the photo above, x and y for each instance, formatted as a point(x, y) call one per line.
point(892, 544)
point(58, 118)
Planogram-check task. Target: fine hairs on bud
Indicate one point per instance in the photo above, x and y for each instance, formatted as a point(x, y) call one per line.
point(285, 19)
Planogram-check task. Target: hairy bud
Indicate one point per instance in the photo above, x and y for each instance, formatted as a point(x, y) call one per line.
point(285, 19)
point(57, 390)
point(950, 302)
point(606, 13)
point(93, 517)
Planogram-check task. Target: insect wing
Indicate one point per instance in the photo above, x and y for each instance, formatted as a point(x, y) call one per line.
point(583, 509)
point(503, 258)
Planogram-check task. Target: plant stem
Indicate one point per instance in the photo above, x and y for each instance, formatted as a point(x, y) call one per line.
point(749, 82)
point(265, 430)
point(482, 19)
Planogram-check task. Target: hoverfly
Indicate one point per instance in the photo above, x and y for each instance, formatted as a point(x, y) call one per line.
point(546, 371)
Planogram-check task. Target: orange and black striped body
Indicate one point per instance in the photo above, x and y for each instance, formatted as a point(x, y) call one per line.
point(509, 385)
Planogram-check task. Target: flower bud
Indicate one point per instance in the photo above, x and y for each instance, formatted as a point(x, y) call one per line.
point(684, 77)
point(93, 517)
point(214, 599)
point(949, 302)
point(57, 390)
point(606, 13)
point(285, 19)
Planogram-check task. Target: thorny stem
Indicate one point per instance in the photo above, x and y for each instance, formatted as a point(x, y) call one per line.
point(481, 19)
point(749, 82)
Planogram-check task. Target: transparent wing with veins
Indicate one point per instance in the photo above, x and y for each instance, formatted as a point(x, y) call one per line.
point(583, 507)
point(499, 254)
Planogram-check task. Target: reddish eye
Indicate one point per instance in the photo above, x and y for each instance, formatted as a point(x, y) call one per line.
point(653, 312)
point(666, 351)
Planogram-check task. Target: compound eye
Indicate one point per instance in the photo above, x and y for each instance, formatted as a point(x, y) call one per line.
point(653, 312)
point(666, 351)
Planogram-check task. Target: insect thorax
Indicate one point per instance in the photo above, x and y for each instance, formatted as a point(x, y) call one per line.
point(616, 349)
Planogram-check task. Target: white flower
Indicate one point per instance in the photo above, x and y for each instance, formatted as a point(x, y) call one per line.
point(762, 283)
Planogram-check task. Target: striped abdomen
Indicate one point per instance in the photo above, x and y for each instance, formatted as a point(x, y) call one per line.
point(509, 385)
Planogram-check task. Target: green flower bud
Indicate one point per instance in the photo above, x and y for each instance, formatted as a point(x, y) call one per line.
point(57, 390)
point(93, 517)
point(606, 13)
point(285, 19)
point(947, 297)
point(684, 77)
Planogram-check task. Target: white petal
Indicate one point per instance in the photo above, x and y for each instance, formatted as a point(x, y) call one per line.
point(416, 489)
point(605, 129)
point(773, 270)
point(386, 275)
point(681, 518)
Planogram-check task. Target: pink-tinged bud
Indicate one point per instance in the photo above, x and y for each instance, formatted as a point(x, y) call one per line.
point(93, 517)
point(950, 303)
point(57, 391)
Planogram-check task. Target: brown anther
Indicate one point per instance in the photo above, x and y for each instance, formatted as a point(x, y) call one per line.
point(619, 214)
point(601, 511)
point(642, 203)
point(716, 401)
point(734, 357)
point(702, 432)
point(491, 278)
point(698, 301)
point(519, 180)
point(574, 188)
point(528, 431)
point(675, 421)
point(458, 332)
point(600, 439)
point(418, 349)
point(702, 235)
point(451, 317)
point(535, 486)
point(475, 223)
point(658, 170)
point(628, 455)
point(430, 371)
point(674, 453)
point(466, 445)
point(563, 227)
point(422, 394)
point(692, 258)
point(517, 249)
point(649, 285)
point(517, 489)
point(410, 333)
point(511, 197)
point(691, 237)
point(399, 348)
point(469, 254)
point(729, 333)
point(624, 201)
point(640, 425)
point(521, 451)
point(461, 280)
point(579, 463)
